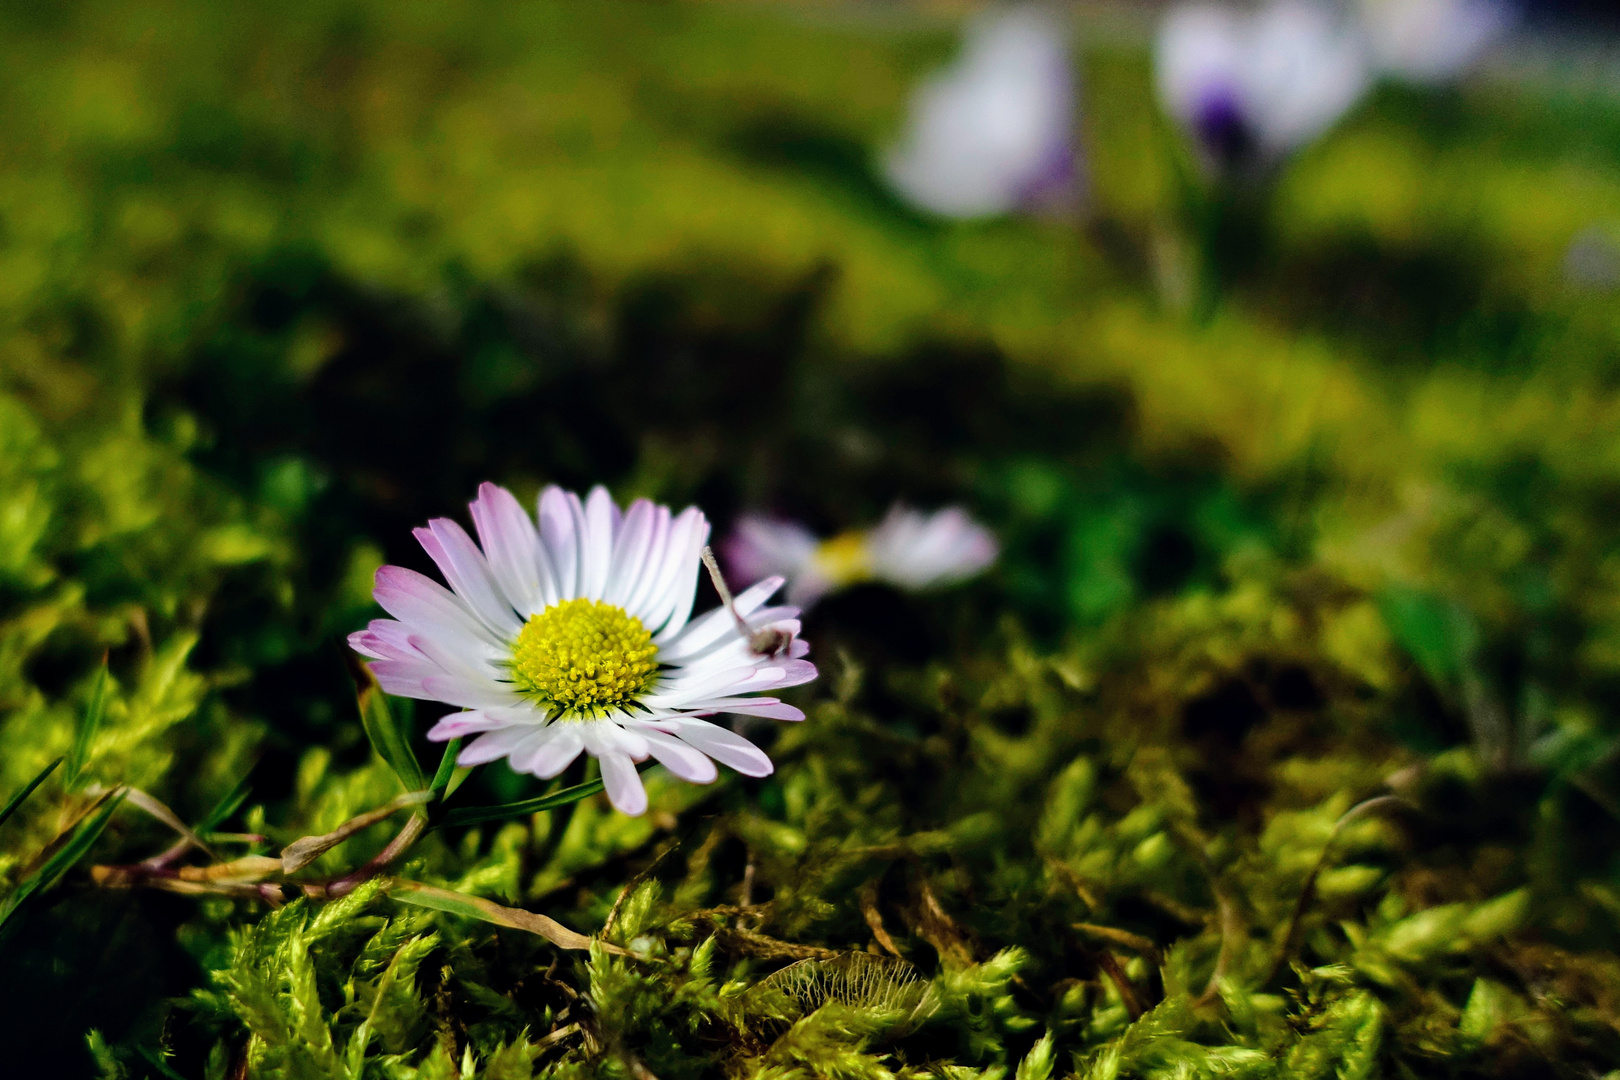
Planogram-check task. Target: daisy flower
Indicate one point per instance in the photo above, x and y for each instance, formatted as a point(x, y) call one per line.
point(574, 634)
point(910, 549)
point(994, 131)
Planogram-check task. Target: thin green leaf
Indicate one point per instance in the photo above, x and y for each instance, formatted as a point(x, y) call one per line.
point(447, 767)
point(474, 815)
point(28, 789)
point(83, 838)
point(382, 729)
point(79, 753)
point(65, 858)
point(222, 811)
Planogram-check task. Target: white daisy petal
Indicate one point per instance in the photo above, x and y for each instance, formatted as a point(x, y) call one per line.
point(458, 656)
point(726, 747)
point(512, 544)
point(631, 742)
point(679, 692)
point(407, 678)
point(556, 753)
point(596, 543)
point(561, 519)
point(457, 725)
point(424, 605)
point(629, 559)
point(623, 784)
point(915, 550)
point(649, 581)
point(467, 693)
point(767, 707)
point(525, 711)
point(708, 629)
point(494, 745)
point(468, 573)
point(383, 639)
point(679, 590)
point(684, 761)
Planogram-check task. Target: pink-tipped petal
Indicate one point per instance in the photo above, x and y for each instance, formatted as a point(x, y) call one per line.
point(512, 546)
point(561, 521)
point(725, 746)
point(468, 573)
point(684, 761)
point(766, 707)
point(384, 639)
point(648, 578)
point(428, 607)
point(628, 561)
point(623, 784)
point(670, 610)
point(596, 546)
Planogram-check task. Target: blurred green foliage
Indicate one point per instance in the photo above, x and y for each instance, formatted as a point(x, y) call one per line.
point(1305, 501)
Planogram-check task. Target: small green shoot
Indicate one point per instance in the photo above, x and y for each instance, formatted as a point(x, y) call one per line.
point(78, 755)
point(27, 790)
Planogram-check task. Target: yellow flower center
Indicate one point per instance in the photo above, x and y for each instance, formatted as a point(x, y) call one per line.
point(584, 656)
point(842, 560)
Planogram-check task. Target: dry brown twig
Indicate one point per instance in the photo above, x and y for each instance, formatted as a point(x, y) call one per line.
point(249, 877)
point(874, 917)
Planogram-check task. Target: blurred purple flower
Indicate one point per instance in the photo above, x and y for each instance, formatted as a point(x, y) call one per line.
point(909, 548)
point(1251, 86)
point(994, 131)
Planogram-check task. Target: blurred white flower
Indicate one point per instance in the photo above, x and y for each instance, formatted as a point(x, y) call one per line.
point(1433, 41)
point(994, 131)
point(1253, 85)
point(909, 548)
point(1592, 260)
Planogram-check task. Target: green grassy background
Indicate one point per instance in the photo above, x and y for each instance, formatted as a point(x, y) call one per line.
point(1305, 499)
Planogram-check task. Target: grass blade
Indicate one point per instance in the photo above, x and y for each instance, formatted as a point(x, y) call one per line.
point(65, 858)
point(79, 753)
point(474, 815)
point(447, 768)
point(28, 789)
point(222, 811)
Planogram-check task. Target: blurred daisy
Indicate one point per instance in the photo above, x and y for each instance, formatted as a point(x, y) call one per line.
point(575, 636)
point(994, 131)
point(909, 548)
point(1251, 86)
point(1433, 41)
